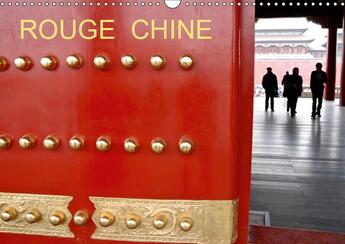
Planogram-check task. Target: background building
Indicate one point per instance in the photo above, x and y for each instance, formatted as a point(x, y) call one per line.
point(286, 43)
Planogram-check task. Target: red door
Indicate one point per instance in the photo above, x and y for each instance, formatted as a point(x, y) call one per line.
point(125, 122)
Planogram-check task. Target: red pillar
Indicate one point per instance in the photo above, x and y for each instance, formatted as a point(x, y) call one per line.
point(331, 59)
point(342, 79)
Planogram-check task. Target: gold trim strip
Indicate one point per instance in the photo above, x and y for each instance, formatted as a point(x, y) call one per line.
point(213, 222)
point(45, 204)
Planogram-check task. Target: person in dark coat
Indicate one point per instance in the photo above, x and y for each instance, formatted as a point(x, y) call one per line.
point(285, 84)
point(294, 90)
point(317, 80)
point(270, 84)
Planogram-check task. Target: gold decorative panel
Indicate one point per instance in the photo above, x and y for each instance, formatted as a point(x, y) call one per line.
point(168, 221)
point(33, 214)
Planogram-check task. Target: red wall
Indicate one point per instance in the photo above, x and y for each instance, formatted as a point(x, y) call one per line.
point(279, 67)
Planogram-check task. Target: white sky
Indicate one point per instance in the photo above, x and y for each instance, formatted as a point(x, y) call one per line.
point(314, 30)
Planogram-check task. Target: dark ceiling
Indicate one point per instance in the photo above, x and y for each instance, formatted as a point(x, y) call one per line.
point(317, 13)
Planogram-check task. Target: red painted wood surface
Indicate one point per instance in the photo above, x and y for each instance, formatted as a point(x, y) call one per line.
point(212, 104)
point(245, 97)
point(331, 60)
point(274, 235)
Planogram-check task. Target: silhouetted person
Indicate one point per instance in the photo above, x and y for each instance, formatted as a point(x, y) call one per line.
point(285, 83)
point(317, 80)
point(294, 90)
point(270, 84)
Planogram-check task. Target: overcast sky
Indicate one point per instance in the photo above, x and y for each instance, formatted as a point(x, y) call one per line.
point(314, 30)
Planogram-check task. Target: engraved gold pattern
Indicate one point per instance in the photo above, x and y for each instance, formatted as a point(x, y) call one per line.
point(209, 222)
point(47, 205)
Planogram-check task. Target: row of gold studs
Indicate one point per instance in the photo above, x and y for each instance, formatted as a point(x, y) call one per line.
point(107, 218)
point(101, 62)
point(103, 143)
point(32, 216)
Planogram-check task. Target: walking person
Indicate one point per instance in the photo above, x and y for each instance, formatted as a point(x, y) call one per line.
point(294, 90)
point(317, 80)
point(285, 84)
point(270, 84)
